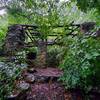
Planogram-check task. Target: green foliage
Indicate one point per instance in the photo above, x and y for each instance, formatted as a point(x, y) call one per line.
point(3, 29)
point(47, 14)
point(80, 64)
point(33, 49)
point(88, 4)
point(54, 56)
point(8, 73)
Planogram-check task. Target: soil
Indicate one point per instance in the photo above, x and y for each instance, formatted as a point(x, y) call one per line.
point(44, 85)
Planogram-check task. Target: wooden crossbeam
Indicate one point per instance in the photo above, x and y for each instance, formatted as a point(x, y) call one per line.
point(30, 30)
point(36, 26)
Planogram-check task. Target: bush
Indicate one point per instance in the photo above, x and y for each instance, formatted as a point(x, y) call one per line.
point(81, 63)
point(8, 73)
point(54, 56)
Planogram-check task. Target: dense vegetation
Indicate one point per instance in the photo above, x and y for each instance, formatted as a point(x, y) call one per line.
point(78, 55)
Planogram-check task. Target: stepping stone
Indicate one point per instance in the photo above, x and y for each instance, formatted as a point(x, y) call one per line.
point(22, 85)
point(48, 74)
point(45, 91)
point(13, 96)
point(31, 70)
point(30, 78)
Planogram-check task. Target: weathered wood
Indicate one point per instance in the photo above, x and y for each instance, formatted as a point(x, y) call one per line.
point(27, 26)
point(42, 48)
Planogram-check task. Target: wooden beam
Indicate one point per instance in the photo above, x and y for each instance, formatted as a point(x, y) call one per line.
point(36, 26)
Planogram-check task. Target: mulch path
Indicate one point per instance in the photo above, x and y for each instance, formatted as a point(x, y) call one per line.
point(44, 85)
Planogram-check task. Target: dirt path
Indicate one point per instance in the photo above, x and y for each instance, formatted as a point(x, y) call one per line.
point(43, 84)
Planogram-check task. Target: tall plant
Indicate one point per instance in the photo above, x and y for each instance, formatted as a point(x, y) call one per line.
point(81, 63)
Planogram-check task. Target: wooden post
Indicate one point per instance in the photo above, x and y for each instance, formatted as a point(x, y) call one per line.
point(42, 47)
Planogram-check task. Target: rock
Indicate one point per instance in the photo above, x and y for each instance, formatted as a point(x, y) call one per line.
point(15, 39)
point(30, 78)
point(22, 85)
point(49, 72)
point(47, 75)
point(13, 96)
point(31, 70)
point(42, 79)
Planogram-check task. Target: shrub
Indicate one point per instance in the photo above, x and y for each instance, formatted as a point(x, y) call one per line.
point(8, 73)
point(54, 56)
point(81, 63)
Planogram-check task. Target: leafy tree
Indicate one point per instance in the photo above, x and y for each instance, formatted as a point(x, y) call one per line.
point(45, 14)
point(85, 5)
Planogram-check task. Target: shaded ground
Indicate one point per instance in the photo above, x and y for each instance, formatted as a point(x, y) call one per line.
point(45, 91)
point(42, 84)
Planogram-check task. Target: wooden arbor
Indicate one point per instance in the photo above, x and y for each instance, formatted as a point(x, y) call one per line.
point(24, 36)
